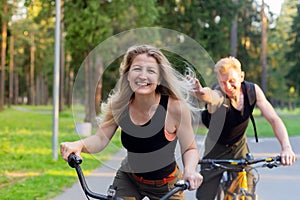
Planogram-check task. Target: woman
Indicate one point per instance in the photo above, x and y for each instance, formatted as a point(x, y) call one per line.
point(150, 105)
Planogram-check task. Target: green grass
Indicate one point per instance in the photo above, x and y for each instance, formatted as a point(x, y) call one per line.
point(264, 129)
point(27, 169)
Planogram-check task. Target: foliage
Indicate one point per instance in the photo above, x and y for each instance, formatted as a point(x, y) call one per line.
point(201, 20)
point(89, 22)
point(279, 43)
point(96, 20)
point(293, 76)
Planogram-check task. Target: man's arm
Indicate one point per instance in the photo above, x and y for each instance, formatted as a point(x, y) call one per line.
point(279, 129)
point(213, 98)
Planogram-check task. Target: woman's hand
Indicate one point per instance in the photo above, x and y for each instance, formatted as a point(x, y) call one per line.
point(66, 148)
point(194, 178)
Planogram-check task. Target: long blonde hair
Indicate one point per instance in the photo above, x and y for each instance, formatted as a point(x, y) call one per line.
point(172, 84)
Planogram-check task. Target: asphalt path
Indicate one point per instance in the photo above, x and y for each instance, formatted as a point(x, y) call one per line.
point(274, 184)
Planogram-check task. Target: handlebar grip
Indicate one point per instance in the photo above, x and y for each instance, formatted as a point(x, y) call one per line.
point(183, 185)
point(187, 185)
point(74, 160)
point(205, 161)
point(278, 158)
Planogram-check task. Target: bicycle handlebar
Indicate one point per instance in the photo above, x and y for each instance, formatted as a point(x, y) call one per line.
point(249, 160)
point(74, 162)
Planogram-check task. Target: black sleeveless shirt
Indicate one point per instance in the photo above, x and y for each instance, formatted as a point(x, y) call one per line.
point(149, 154)
point(236, 121)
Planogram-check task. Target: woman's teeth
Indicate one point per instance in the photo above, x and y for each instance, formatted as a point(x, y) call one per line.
point(142, 84)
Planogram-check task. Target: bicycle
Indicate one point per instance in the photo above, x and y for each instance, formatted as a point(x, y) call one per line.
point(234, 184)
point(74, 162)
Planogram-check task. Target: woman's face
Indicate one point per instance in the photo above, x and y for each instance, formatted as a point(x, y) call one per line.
point(230, 82)
point(143, 75)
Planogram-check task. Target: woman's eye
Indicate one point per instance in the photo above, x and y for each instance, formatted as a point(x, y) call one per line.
point(136, 68)
point(152, 71)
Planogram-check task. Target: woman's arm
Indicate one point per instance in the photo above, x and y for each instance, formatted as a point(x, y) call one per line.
point(180, 116)
point(91, 144)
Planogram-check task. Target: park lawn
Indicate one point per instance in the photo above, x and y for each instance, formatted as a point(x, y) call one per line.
point(28, 170)
point(264, 129)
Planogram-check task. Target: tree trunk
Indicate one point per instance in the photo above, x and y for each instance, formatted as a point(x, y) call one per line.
point(40, 89)
point(71, 84)
point(264, 23)
point(11, 71)
point(69, 81)
point(3, 55)
point(31, 72)
point(87, 90)
point(233, 34)
point(91, 88)
point(98, 92)
point(44, 90)
point(16, 88)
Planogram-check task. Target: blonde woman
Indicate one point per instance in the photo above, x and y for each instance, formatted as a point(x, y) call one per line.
point(151, 106)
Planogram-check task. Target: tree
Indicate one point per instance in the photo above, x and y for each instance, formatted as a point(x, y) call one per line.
point(3, 54)
point(279, 43)
point(94, 22)
point(293, 56)
point(264, 38)
point(201, 20)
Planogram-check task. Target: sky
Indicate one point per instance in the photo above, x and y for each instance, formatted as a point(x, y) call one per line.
point(275, 5)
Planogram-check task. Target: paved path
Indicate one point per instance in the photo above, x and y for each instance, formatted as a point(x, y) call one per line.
point(275, 184)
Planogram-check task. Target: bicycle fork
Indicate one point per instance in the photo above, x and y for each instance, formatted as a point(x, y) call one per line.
point(238, 188)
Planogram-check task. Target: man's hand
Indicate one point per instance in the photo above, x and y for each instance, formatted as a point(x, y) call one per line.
point(288, 157)
point(205, 94)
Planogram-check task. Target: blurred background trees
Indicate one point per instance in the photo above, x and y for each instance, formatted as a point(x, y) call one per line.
point(267, 45)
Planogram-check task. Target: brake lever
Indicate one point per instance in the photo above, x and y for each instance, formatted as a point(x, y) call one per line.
point(272, 164)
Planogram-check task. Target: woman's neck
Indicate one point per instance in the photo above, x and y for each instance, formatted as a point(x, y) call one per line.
point(144, 102)
point(143, 107)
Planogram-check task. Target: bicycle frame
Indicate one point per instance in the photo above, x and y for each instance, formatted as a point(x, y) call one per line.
point(239, 183)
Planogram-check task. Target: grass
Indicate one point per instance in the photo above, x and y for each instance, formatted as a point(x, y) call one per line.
point(27, 169)
point(264, 129)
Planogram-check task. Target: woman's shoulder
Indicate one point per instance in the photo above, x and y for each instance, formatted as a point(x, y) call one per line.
point(176, 106)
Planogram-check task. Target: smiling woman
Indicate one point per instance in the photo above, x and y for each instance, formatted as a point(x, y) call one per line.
point(151, 105)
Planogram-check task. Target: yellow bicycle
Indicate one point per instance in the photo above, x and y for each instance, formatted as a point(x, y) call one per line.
point(234, 182)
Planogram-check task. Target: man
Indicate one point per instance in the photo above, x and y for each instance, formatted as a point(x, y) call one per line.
point(231, 105)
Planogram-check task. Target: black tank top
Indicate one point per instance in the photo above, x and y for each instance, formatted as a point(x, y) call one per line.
point(149, 154)
point(236, 121)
